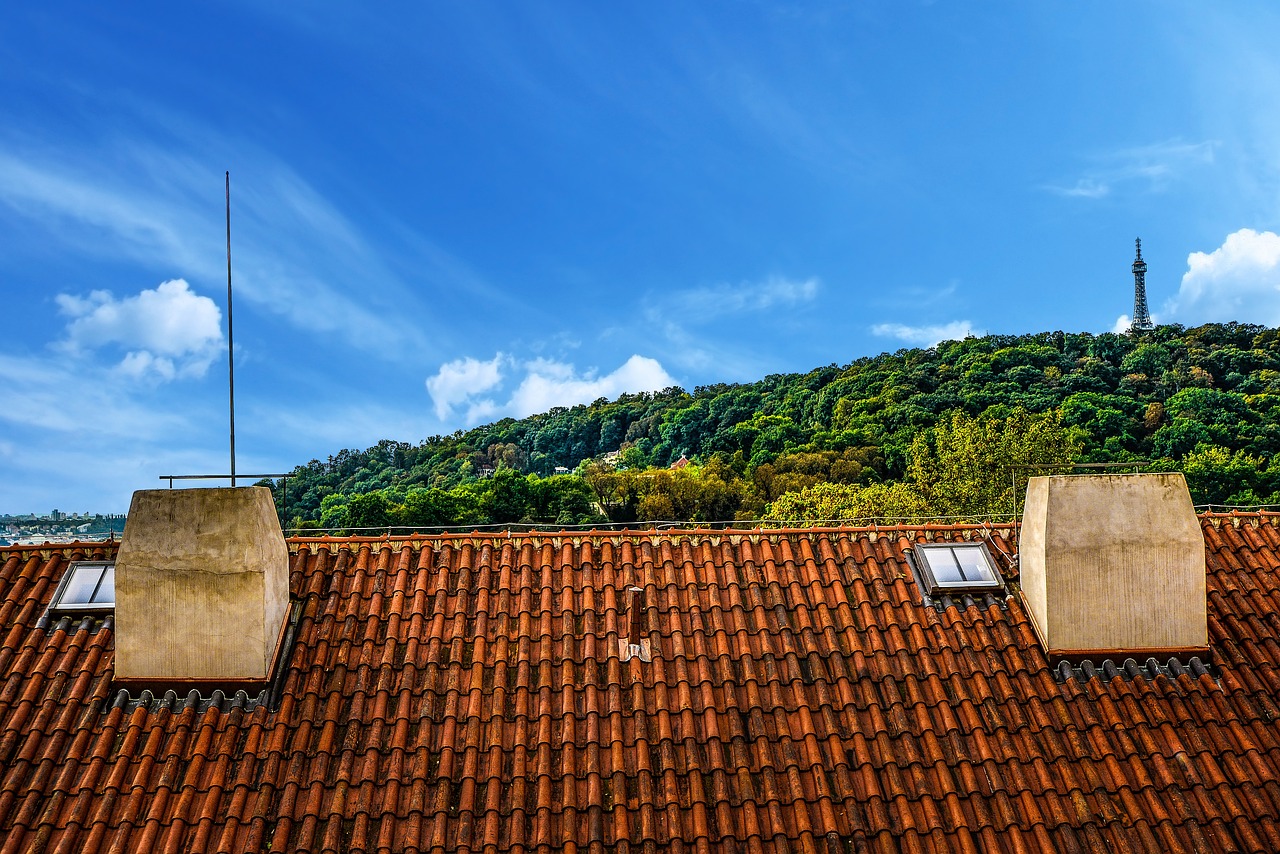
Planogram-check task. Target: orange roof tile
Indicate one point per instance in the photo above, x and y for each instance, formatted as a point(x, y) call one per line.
point(466, 693)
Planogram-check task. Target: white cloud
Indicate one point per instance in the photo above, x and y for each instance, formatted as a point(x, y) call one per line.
point(1240, 280)
point(1123, 322)
point(549, 384)
point(483, 410)
point(458, 381)
point(544, 383)
point(1151, 166)
point(925, 336)
point(167, 331)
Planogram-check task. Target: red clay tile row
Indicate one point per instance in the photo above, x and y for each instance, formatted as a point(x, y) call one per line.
point(466, 693)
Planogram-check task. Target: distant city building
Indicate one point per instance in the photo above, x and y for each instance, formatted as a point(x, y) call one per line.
point(59, 527)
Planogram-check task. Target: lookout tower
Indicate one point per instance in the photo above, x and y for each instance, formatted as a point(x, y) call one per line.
point(1141, 317)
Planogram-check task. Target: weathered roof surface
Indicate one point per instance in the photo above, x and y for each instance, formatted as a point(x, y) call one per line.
point(465, 693)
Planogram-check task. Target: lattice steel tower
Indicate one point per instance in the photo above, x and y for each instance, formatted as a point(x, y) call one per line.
point(1141, 317)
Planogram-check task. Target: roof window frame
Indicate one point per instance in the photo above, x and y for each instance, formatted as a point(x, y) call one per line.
point(96, 604)
point(935, 586)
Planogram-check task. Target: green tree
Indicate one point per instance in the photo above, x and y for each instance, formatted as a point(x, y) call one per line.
point(333, 511)
point(507, 497)
point(1150, 359)
point(1180, 438)
point(1216, 475)
point(616, 493)
point(1220, 411)
point(563, 499)
point(425, 508)
point(979, 465)
point(371, 510)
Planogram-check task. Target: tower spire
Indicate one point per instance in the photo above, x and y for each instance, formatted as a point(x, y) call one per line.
point(1141, 317)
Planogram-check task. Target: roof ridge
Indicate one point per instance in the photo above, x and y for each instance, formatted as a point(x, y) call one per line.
point(49, 549)
point(648, 533)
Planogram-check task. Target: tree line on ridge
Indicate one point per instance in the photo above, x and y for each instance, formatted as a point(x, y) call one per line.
point(951, 430)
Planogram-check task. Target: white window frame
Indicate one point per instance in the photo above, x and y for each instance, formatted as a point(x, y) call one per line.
point(935, 587)
point(105, 568)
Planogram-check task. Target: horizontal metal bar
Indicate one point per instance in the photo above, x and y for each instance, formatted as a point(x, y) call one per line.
point(1081, 465)
point(216, 476)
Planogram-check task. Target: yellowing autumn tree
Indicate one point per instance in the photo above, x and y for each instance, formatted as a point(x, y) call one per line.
point(965, 467)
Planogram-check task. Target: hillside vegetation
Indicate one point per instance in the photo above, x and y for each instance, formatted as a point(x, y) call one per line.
point(916, 432)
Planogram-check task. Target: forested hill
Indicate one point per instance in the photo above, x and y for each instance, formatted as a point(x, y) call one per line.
point(1202, 400)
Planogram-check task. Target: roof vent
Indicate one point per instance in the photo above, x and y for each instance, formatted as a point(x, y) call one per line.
point(635, 644)
point(202, 589)
point(1112, 566)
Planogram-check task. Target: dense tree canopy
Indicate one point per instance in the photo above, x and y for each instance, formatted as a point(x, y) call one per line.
point(1205, 401)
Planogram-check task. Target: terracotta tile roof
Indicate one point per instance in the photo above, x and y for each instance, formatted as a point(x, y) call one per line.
point(466, 693)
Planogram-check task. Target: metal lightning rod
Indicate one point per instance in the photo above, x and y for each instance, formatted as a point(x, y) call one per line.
point(231, 357)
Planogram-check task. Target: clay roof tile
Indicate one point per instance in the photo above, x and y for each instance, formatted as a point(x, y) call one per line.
point(462, 691)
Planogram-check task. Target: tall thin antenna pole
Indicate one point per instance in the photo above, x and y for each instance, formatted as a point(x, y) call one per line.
point(231, 350)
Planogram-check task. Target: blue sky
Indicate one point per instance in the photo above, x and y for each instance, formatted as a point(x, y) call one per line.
point(447, 213)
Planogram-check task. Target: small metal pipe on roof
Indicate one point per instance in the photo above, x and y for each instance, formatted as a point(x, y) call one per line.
point(635, 644)
point(635, 614)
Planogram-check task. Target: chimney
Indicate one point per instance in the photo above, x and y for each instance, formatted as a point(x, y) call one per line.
point(1112, 566)
point(202, 589)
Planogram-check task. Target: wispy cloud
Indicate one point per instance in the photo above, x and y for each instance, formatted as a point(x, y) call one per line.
point(713, 301)
point(925, 336)
point(533, 386)
point(1151, 167)
point(295, 254)
point(73, 435)
point(349, 423)
point(1085, 188)
point(38, 389)
point(681, 318)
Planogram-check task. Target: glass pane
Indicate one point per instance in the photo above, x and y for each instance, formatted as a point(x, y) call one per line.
point(960, 566)
point(106, 594)
point(80, 588)
point(973, 565)
point(946, 570)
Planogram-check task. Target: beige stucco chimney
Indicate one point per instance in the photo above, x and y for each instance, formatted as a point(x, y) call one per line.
point(1112, 566)
point(202, 588)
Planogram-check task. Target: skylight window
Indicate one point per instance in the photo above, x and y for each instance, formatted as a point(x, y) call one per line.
point(87, 587)
point(946, 568)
